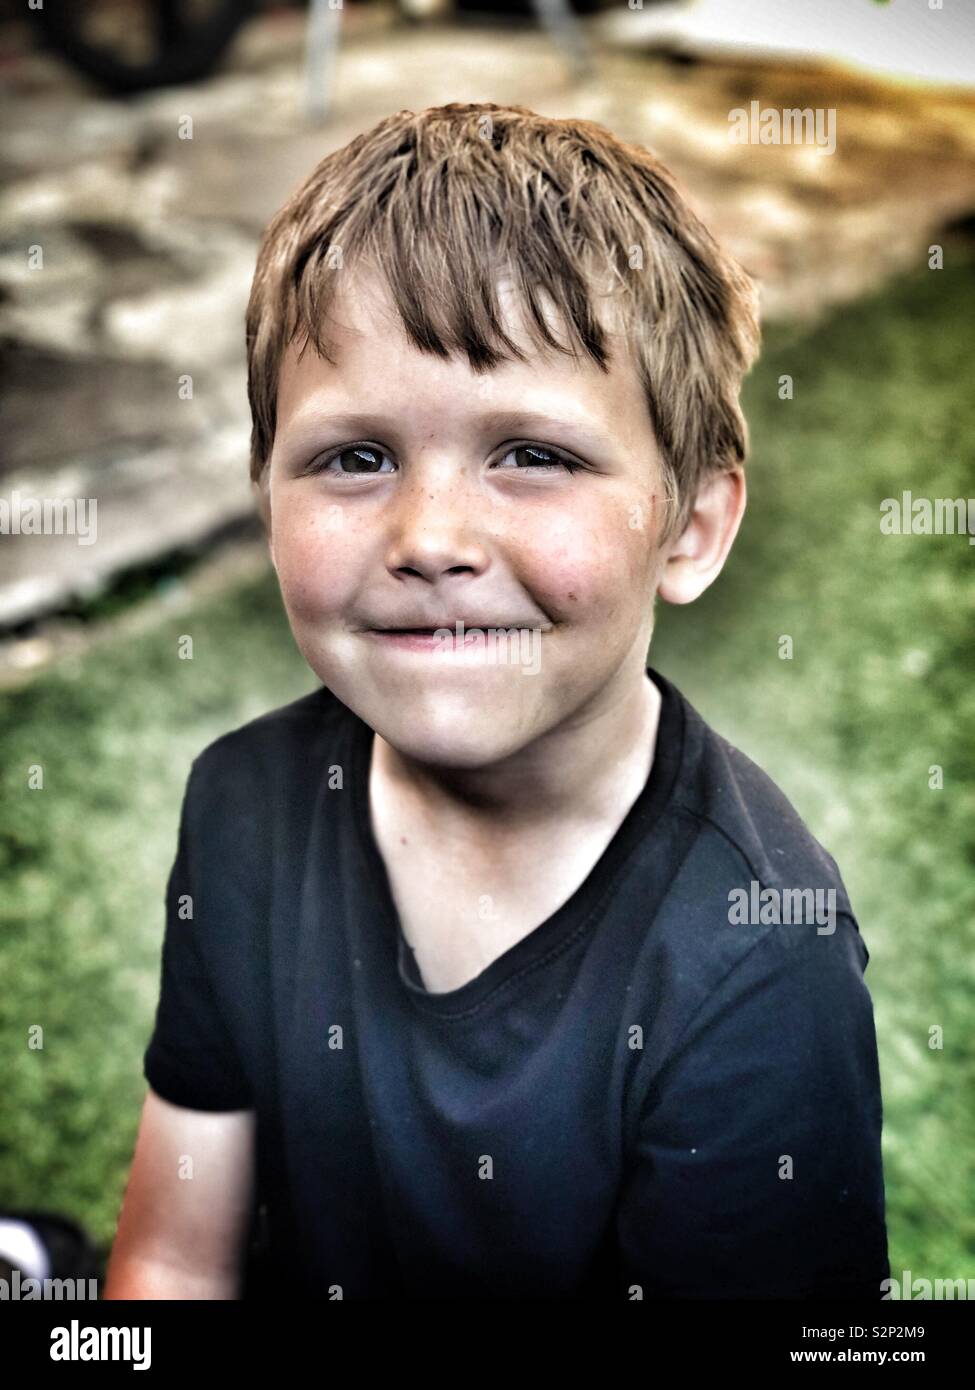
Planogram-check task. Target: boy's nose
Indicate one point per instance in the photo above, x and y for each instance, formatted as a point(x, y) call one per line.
point(435, 525)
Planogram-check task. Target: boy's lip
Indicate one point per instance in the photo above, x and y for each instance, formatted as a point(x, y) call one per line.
point(461, 636)
point(424, 639)
point(446, 624)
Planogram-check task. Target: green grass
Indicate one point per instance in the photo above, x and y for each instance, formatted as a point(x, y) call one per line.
point(879, 689)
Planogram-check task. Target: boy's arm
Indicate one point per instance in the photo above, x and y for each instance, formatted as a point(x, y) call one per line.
point(188, 1204)
point(757, 1166)
point(186, 1214)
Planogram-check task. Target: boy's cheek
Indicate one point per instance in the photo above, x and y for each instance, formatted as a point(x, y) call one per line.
point(588, 572)
point(316, 573)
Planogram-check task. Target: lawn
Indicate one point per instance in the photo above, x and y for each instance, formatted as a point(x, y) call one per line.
point(878, 691)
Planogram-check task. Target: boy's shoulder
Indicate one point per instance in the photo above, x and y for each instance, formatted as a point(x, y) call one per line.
point(286, 740)
point(736, 799)
point(264, 775)
point(755, 909)
point(752, 860)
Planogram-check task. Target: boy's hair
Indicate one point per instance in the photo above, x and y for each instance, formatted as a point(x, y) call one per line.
point(446, 200)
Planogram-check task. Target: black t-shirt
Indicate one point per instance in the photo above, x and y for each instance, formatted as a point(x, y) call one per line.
point(668, 1089)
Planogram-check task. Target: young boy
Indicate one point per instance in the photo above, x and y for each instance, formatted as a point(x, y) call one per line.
point(490, 969)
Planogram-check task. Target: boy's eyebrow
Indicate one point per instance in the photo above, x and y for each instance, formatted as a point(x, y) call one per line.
point(305, 427)
point(590, 432)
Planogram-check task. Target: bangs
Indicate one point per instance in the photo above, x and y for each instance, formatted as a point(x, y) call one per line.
point(445, 238)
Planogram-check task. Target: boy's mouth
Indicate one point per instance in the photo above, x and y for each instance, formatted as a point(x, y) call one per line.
point(459, 629)
point(423, 638)
point(449, 625)
point(461, 637)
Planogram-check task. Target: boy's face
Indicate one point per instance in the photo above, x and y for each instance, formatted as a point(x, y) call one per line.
point(428, 506)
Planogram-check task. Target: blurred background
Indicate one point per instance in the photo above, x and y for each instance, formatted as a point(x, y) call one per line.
point(146, 144)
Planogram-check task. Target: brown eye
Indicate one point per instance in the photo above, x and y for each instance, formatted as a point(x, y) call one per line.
point(354, 460)
point(537, 456)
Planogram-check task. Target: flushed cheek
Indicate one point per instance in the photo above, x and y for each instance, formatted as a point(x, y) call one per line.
point(316, 567)
point(586, 569)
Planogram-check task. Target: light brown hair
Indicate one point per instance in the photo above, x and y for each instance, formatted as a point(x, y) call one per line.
point(444, 201)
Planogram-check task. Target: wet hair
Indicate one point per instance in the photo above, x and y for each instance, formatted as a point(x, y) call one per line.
point(445, 202)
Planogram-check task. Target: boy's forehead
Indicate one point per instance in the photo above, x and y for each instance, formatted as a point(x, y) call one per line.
point(371, 353)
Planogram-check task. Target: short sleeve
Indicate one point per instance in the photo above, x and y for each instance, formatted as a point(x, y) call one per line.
point(191, 1059)
point(756, 1170)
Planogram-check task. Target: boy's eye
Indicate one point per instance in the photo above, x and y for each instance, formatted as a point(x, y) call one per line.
point(537, 456)
point(363, 459)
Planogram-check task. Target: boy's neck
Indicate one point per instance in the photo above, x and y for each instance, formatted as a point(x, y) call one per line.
point(589, 771)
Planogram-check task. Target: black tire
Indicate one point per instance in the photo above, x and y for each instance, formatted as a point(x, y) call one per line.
point(187, 47)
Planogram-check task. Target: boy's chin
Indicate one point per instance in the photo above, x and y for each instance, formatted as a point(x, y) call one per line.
point(461, 732)
point(464, 746)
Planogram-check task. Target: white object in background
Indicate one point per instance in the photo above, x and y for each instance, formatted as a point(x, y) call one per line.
point(558, 17)
point(426, 9)
point(904, 38)
point(23, 1247)
point(321, 51)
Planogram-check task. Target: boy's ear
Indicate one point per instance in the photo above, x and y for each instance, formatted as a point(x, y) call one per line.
point(695, 559)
